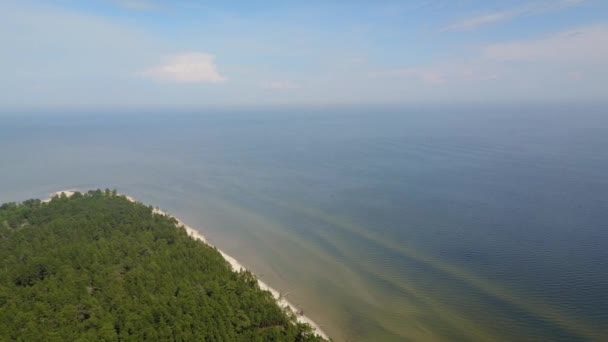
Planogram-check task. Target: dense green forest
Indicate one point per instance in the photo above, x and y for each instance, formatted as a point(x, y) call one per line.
point(97, 267)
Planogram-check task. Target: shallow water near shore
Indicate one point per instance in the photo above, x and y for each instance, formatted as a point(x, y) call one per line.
point(480, 224)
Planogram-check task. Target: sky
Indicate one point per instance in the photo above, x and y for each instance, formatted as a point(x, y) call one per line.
point(186, 53)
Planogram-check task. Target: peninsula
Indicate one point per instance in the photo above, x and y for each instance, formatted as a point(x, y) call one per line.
point(102, 266)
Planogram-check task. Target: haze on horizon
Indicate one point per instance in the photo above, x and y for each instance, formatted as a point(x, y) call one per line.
point(151, 53)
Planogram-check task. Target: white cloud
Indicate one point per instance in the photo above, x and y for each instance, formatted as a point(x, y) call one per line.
point(53, 56)
point(490, 18)
point(443, 73)
point(572, 55)
point(588, 45)
point(279, 85)
point(194, 67)
point(474, 22)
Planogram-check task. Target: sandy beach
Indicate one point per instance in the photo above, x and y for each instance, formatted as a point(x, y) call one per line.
point(236, 266)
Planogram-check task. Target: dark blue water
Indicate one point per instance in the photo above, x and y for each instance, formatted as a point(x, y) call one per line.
point(383, 224)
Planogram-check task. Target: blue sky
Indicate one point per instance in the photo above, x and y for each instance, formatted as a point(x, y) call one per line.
point(156, 53)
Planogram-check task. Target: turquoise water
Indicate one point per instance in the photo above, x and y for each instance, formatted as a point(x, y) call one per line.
point(391, 225)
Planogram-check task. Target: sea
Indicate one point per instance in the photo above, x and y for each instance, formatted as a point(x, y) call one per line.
point(394, 223)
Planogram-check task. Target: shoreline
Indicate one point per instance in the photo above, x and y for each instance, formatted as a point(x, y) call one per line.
point(234, 264)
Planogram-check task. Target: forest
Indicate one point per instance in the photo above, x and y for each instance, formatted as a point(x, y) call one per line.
point(98, 267)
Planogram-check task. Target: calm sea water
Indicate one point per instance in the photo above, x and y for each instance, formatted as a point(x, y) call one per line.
point(383, 225)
